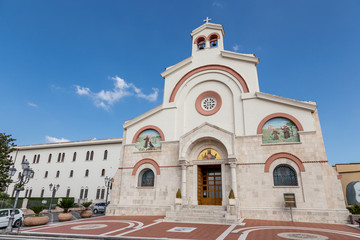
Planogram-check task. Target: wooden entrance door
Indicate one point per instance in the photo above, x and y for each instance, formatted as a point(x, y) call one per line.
point(209, 185)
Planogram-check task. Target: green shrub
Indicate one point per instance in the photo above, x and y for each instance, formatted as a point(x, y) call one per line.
point(86, 205)
point(66, 203)
point(231, 194)
point(36, 210)
point(355, 209)
point(178, 193)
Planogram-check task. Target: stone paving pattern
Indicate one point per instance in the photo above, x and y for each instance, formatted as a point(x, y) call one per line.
point(153, 226)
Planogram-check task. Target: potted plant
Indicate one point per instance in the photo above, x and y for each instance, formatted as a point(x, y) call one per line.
point(37, 219)
point(178, 200)
point(232, 201)
point(355, 213)
point(65, 204)
point(86, 213)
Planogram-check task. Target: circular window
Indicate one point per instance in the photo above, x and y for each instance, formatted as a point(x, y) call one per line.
point(208, 103)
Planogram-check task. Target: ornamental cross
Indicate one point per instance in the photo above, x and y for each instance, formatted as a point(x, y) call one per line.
point(207, 20)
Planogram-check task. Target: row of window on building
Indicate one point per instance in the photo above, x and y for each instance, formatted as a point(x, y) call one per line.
point(72, 173)
point(84, 192)
point(61, 157)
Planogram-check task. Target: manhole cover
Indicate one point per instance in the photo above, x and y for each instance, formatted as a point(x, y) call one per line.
point(181, 229)
point(89, 226)
point(300, 236)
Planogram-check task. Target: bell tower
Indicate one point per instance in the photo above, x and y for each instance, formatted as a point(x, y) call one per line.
point(207, 38)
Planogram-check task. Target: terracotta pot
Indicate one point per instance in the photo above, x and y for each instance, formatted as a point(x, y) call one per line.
point(36, 220)
point(86, 213)
point(232, 202)
point(64, 217)
point(178, 201)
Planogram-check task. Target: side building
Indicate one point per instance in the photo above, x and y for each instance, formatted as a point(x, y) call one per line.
point(350, 181)
point(79, 167)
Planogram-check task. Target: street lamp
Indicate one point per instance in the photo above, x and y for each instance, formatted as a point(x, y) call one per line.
point(53, 189)
point(23, 179)
point(108, 183)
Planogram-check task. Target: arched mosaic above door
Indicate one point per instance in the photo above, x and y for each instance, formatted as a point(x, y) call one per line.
point(278, 130)
point(148, 140)
point(208, 154)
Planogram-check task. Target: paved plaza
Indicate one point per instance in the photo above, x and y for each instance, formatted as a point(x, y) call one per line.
point(153, 227)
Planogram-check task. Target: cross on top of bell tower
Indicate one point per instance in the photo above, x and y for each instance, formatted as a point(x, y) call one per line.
point(207, 20)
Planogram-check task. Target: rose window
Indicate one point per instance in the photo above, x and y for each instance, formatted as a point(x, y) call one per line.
point(208, 103)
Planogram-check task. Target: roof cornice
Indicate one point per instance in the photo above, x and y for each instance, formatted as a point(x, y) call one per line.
point(176, 67)
point(311, 106)
point(210, 26)
point(238, 56)
point(70, 144)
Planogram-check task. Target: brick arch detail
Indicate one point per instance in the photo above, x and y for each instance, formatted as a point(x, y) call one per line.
point(214, 33)
point(146, 128)
point(205, 68)
point(279, 115)
point(144, 161)
point(201, 36)
point(289, 156)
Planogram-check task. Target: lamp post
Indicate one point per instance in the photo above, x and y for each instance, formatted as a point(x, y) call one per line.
point(23, 179)
point(108, 183)
point(53, 189)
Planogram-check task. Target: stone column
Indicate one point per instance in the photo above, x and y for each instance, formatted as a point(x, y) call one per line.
point(233, 178)
point(183, 182)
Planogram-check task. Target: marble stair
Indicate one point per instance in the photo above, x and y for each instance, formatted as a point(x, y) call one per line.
point(201, 214)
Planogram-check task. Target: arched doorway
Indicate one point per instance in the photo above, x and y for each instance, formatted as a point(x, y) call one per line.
point(209, 178)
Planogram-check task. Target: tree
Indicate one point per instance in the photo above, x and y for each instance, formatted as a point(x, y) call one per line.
point(6, 147)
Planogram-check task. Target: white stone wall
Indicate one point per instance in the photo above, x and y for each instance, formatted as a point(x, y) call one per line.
point(79, 166)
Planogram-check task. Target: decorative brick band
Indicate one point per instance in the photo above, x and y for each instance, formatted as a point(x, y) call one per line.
point(214, 33)
point(205, 68)
point(275, 156)
point(201, 36)
point(146, 128)
point(279, 115)
point(147, 160)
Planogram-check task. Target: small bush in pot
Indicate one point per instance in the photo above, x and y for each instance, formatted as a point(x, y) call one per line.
point(37, 219)
point(86, 213)
point(65, 204)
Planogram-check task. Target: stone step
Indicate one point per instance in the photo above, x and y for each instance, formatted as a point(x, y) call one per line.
point(194, 214)
point(205, 220)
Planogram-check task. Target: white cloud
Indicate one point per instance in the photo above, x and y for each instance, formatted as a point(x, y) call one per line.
point(32, 104)
point(106, 98)
point(55, 140)
point(217, 4)
point(236, 47)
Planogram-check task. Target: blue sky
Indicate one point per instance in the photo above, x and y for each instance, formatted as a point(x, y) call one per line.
point(59, 61)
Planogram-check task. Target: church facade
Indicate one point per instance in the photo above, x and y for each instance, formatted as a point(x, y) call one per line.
point(216, 133)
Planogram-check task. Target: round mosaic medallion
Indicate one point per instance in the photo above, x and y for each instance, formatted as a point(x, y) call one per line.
point(89, 226)
point(300, 236)
point(208, 103)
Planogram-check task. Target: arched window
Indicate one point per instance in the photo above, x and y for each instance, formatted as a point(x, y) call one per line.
point(147, 178)
point(38, 158)
point(71, 173)
point(26, 193)
point(92, 155)
point(59, 157)
point(42, 193)
point(19, 175)
point(284, 175)
point(280, 130)
point(102, 193)
point(10, 158)
point(74, 157)
point(105, 154)
point(87, 173)
point(49, 160)
point(46, 174)
point(86, 193)
point(87, 155)
point(34, 161)
point(98, 193)
point(68, 192)
point(30, 192)
point(57, 174)
point(103, 172)
point(81, 193)
point(201, 43)
point(63, 157)
point(213, 40)
point(23, 159)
